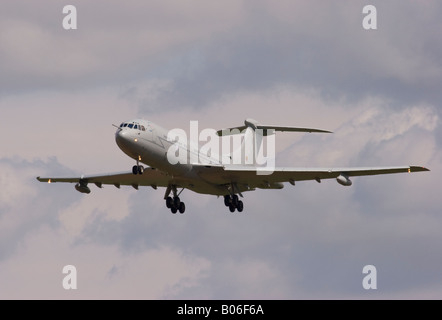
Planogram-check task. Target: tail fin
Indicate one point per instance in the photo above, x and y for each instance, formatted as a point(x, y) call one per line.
point(251, 151)
point(248, 144)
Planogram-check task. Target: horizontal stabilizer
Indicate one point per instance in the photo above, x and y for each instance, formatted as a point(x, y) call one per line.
point(267, 129)
point(291, 129)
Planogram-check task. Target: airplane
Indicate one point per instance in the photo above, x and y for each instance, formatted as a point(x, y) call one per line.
point(150, 144)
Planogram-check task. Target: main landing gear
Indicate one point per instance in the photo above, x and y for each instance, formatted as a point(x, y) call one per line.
point(174, 203)
point(233, 203)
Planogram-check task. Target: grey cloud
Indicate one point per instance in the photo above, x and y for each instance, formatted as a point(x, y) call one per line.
point(32, 208)
point(115, 42)
point(328, 51)
point(255, 46)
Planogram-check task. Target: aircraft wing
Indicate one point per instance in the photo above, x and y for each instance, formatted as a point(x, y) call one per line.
point(253, 177)
point(244, 177)
point(150, 177)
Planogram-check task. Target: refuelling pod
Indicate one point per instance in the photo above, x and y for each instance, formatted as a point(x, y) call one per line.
point(272, 185)
point(344, 180)
point(82, 187)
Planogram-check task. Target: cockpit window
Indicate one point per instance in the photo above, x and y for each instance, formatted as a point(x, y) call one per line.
point(135, 126)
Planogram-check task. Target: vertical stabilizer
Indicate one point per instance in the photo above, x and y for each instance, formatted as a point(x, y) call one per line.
point(247, 144)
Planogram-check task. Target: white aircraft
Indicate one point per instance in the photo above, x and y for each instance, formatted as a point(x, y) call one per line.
point(148, 143)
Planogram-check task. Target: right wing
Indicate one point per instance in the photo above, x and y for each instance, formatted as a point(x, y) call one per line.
point(150, 177)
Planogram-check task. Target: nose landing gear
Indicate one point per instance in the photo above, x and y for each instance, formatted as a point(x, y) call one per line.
point(137, 169)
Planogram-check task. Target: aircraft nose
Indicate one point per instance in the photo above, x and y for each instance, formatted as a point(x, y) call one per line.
point(121, 136)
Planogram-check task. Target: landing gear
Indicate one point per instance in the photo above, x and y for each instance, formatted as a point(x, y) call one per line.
point(233, 203)
point(174, 203)
point(137, 169)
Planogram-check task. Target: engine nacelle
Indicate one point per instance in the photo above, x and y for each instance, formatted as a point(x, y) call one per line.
point(83, 188)
point(343, 180)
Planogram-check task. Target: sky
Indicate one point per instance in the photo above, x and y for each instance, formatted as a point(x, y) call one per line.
point(295, 63)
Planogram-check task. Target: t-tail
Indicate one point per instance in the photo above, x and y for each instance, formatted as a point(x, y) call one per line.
point(253, 151)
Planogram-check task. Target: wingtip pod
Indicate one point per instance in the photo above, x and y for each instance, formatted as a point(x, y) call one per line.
point(417, 169)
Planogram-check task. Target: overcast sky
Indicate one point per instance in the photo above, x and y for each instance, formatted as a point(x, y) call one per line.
point(299, 63)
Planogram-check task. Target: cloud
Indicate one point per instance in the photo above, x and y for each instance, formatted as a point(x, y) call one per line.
point(291, 242)
point(103, 272)
point(107, 48)
point(41, 232)
point(293, 43)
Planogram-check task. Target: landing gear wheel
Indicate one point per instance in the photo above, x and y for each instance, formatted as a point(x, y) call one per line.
point(240, 206)
point(182, 207)
point(174, 209)
point(227, 200)
point(176, 202)
point(235, 200)
point(231, 207)
point(137, 170)
point(169, 202)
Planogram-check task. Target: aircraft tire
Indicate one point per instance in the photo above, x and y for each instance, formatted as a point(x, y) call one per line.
point(169, 202)
point(240, 206)
point(235, 200)
point(176, 202)
point(227, 200)
point(231, 207)
point(182, 207)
